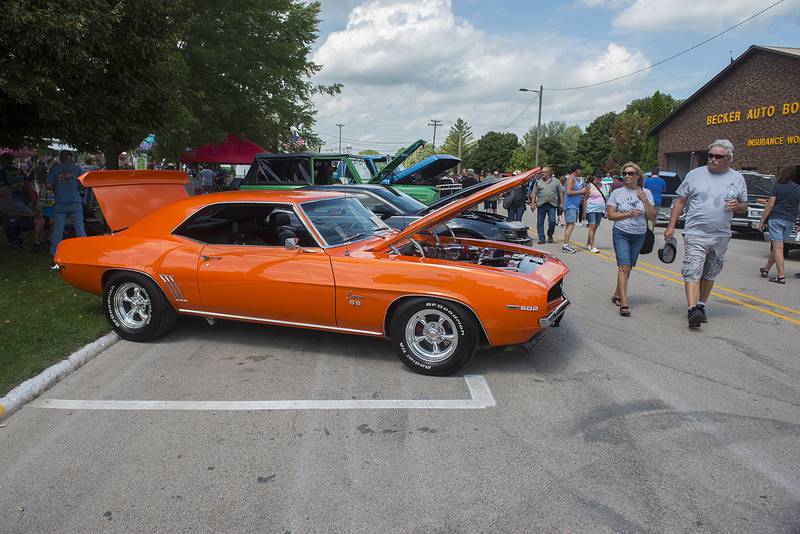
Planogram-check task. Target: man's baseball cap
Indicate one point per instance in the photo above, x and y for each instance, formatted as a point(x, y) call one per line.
point(668, 252)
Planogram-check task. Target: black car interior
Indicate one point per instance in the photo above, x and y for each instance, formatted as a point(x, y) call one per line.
point(246, 224)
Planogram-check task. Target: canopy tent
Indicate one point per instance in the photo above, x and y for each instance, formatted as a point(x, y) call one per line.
point(233, 151)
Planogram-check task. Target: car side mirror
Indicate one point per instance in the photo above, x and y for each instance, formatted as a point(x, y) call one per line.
point(291, 243)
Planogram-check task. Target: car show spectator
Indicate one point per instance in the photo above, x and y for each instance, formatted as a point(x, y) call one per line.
point(710, 194)
point(547, 197)
point(490, 204)
point(206, 179)
point(469, 179)
point(779, 218)
point(63, 180)
point(656, 185)
point(515, 201)
point(630, 207)
point(595, 210)
point(574, 193)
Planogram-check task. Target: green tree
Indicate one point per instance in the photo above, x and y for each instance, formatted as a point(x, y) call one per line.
point(522, 158)
point(628, 135)
point(493, 152)
point(459, 141)
point(421, 153)
point(102, 75)
point(369, 152)
point(658, 112)
point(595, 145)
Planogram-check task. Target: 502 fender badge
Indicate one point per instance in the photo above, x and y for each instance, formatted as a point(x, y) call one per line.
point(522, 308)
point(353, 299)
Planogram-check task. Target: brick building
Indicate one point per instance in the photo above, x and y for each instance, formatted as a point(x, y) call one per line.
point(754, 102)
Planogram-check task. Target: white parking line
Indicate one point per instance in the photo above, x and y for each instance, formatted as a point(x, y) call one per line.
point(480, 398)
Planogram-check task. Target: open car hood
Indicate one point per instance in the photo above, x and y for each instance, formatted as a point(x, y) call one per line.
point(400, 158)
point(451, 210)
point(126, 197)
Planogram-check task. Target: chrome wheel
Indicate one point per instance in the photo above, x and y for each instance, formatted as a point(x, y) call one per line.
point(431, 336)
point(132, 305)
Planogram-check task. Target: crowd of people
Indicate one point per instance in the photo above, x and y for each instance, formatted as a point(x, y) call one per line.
point(40, 194)
point(708, 196)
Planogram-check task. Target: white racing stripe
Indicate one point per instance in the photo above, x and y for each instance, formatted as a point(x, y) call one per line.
point(480, 398)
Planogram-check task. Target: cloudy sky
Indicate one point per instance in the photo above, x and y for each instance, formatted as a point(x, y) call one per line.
point(405, 62)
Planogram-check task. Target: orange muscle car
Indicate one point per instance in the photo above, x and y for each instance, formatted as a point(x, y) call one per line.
point(309, 259)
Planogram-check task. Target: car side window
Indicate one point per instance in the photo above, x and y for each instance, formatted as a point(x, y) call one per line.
point(369, 201)
point(257, 224)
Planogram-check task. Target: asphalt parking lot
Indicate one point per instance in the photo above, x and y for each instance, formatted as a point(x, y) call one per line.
point(610, 425)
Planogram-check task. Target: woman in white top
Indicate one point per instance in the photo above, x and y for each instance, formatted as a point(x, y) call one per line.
point(630, 207)
point(595, 208)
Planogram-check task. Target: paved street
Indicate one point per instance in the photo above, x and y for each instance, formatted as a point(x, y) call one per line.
point(610, 425)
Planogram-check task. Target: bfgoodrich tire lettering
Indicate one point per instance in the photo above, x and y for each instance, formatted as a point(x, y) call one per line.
point(432, 336)
point(136, 307)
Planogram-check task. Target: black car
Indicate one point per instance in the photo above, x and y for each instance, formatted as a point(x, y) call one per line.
point(759, 188)
point(398, 210)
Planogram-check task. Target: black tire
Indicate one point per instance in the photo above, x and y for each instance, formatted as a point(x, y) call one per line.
point(160, 315)
point(456, 321)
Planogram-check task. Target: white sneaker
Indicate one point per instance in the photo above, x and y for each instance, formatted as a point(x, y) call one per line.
point(579, 224)
point(594, 249)
point(567, 248)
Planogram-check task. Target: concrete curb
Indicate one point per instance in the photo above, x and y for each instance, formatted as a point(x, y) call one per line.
point(33, 387)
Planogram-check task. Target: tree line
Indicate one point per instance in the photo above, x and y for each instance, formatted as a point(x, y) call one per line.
point(101, 75)
point(607, 142)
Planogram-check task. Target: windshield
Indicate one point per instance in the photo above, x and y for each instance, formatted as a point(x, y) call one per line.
point(405, 202)
point(339, 220)
point(362, 170)
point(759, 185)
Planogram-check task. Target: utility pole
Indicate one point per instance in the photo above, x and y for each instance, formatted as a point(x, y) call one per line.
point(539, 122)
point(340, 136)
point(460, 143)
point(435, 123)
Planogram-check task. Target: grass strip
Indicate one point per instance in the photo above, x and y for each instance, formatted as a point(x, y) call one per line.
point(42, 319)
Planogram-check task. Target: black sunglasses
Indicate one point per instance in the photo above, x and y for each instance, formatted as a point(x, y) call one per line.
point(628, 173)
point(717, 156)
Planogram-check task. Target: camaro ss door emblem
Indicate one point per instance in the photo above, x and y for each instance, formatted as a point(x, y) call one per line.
point(353, 299)
point(522, 308)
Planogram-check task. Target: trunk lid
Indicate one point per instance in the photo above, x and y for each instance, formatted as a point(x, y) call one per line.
point(126, 197)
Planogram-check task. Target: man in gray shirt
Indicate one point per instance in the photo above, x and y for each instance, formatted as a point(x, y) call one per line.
point(710, 195)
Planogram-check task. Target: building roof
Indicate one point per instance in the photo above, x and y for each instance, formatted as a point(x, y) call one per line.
point(782, 50)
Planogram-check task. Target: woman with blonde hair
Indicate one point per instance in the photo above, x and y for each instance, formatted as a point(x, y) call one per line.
point(629, 207)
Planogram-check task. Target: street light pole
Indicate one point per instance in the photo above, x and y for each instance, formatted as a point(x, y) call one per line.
point(539, 123)
point(340, 136)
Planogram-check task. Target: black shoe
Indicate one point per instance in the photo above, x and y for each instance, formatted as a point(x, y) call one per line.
point(550, 239)
point(540, 242)
point(703, 311)
point(695, 317)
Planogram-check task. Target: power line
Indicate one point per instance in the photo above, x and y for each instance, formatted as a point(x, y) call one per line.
point(723, 32)
point(519, 114)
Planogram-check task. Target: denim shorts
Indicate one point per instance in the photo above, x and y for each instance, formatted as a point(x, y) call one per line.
point(594, 218)
point(627, 246)
point(779, 229)
point(571, 215)
point(490, 205)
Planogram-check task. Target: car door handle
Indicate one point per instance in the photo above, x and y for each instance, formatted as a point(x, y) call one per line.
point(206, 258)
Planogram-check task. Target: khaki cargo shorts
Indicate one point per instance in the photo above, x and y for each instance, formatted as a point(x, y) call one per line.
point(703, 257)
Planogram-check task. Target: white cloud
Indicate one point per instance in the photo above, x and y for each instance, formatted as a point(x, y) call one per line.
point(403, 63)
point(703, 15)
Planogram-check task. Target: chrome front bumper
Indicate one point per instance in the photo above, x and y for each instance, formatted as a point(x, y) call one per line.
point(552, 319)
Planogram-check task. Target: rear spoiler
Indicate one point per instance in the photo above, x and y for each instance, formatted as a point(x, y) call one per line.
point(126, 197)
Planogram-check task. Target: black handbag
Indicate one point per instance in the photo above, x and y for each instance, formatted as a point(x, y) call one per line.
point(649, 241)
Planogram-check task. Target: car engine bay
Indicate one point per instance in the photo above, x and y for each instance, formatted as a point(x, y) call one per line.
point(467, 253)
